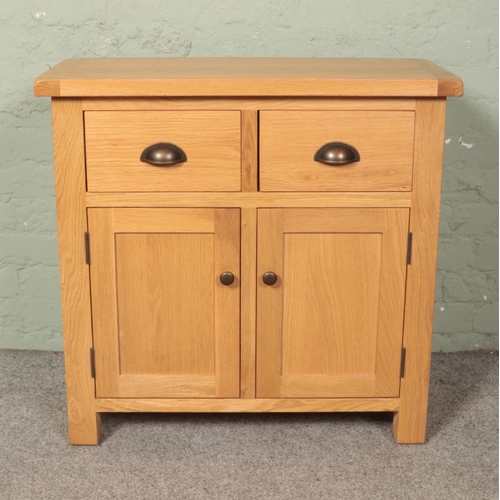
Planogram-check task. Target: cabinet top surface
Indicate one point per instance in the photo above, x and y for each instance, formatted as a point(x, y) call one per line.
point(247, 77)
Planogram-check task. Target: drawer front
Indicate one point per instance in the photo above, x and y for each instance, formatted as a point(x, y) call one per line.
point(115, 141)
point(290, 139)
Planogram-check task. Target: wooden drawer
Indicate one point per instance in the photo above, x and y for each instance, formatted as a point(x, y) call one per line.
point(289, 141)
point(115, 140)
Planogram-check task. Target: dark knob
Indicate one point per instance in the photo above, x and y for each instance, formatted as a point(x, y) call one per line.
point(269, 278)
point(337, 154)
point(163, 154)
point(227, 279)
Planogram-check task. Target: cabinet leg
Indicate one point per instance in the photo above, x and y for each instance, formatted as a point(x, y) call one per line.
point(409, 426)
point(84, 428)
point(410, 421)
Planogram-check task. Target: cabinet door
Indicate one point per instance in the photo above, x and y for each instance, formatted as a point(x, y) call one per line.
point(331, 325)
point(164, 325)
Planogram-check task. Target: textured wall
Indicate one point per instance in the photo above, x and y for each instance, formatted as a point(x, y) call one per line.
point(460, 35)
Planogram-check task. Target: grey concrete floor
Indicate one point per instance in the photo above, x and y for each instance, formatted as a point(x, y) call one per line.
point(251, 456)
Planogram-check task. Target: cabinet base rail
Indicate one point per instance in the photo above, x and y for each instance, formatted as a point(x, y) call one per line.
point(247, 405)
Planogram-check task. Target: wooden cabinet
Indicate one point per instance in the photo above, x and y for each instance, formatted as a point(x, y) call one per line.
point(247, 235)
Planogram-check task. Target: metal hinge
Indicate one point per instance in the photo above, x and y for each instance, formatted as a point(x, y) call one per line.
point(87, 248)
point(92, 363)
point(408, 254)
point(403, 360)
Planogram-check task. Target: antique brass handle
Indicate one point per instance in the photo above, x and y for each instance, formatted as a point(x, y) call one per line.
point(269, 278)
point(227, 278)
point(337, 154)
point(163, 154)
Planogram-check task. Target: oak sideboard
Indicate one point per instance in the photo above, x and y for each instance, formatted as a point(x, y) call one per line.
point(248, 234)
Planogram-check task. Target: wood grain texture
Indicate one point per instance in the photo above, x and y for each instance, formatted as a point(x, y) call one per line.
point(392, 298)
point(290, 139)
point(165, 295)
point(115, 141)
point(191, 76)
point(83, 421)
point(168, 386)
point(269, 302)
point(227, 303)
point(322, 335)
point(155, 220)
point(332, 325)
point(248, 300)
point(249, 200)
point(312, 220)
point(328, 386)
point(248, 405)
point(251, 104)
point(249, 150)
point(410, 423)
point(448, 83)
point(164, 325)
point(104, 301)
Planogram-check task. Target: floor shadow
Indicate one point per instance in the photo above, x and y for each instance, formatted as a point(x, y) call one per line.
point(112, 422)
point(456, 379)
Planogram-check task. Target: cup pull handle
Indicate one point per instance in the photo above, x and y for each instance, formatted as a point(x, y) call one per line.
point(163, 154)
point(337, 154)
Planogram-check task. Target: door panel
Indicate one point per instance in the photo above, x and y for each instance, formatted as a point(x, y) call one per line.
point(323, 280)
point(332, 324)
point(164, 325)
point(176, 271)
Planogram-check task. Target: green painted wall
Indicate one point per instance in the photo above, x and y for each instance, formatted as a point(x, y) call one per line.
point(461, 35)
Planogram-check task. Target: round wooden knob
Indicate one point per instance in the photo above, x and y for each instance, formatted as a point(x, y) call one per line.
point(269, 278)
point(227, 279)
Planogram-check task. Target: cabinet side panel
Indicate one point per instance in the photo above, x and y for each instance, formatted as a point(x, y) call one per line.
point(69, 164)
point(410, 421)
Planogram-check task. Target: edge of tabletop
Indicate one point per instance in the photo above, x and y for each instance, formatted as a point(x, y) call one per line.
point(435, 82)
point(449, 84)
